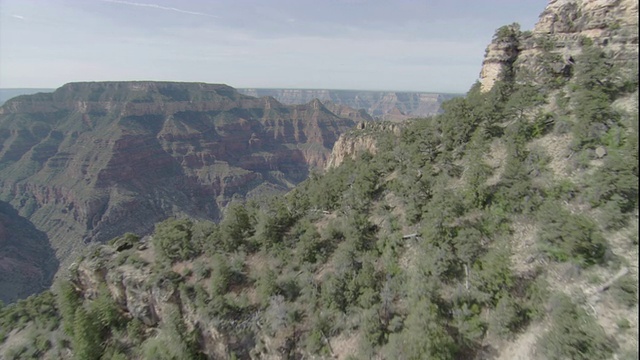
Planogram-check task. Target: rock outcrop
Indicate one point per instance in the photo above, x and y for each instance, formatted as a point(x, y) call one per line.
point(133, 288)
point(384, 105)
point(93, 160)
point(141, 292)
point(561, 30)
point(360, 140)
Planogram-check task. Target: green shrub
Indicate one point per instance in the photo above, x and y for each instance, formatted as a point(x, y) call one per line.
point(505, 318)
point(172, 240)
point(611, 216)
point(135, 331)
point(566, 236)
point(623, 324)
point(86, 340)
point(507, 33)
point(68, 301)
point(469, 324)
point(573, 334)
point(105, 309)
point(616, 181)
point(625, 291)
point(221, 275)
point(492, 272)
point(424, 337)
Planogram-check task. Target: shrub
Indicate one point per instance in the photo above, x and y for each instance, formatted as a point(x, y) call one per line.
point(68, 301)
point(221, 275)
point(566, 236)
point(536, 296)
point(106, 310)
point(623, 324)
point(505, 318)
point(617, 181)
point(625, 291)
point(86, 340)
point(424, 337)
point(612, 217)
point(468, 323)
point(573, 334)
point(172, 240)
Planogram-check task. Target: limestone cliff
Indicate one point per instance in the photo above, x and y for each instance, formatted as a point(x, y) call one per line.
point(560, 32)
point(360, 140)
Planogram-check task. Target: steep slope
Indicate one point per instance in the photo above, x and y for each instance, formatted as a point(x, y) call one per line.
point(93, 160)
point(385, 105)
point(27, 261)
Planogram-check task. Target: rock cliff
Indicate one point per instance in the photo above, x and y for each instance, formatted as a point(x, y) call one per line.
point(360, 140)
point(562, 29)
point(385, 105)
point(93, 160)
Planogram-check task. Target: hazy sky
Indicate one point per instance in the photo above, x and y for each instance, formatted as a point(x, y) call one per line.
point(413, 45)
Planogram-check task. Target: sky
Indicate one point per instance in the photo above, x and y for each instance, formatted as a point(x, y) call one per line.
point(399, 45)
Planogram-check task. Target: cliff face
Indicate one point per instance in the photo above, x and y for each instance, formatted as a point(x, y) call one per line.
point(562, 28)
point(360, 140)
point(93, 160)
point(385, 105)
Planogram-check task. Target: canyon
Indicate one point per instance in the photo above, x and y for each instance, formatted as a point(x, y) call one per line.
point(91, 161)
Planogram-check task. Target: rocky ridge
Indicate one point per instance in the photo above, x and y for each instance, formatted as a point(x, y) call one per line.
point(362, 139)
point(561, 30)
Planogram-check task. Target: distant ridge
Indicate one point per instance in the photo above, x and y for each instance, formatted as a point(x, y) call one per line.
point(6, 94)
point(384, 105)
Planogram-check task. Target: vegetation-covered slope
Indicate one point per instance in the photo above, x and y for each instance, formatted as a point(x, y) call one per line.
point(505, 227)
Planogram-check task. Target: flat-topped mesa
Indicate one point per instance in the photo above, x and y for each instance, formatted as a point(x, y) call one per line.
point(561, 31)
